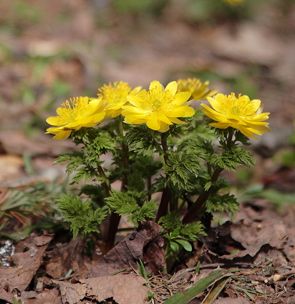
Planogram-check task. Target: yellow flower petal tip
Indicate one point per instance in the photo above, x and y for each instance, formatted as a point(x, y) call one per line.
point(198, 89)
point(238, 112)
point(74, 114)
point(159, 107)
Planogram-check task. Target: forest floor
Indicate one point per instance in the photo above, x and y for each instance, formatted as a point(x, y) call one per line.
point(49, 51)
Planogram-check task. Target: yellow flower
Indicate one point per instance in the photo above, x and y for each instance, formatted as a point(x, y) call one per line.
point(199, 90)
point(238, 112)
point(114, 95)
point(74, 114)
point(158, 107)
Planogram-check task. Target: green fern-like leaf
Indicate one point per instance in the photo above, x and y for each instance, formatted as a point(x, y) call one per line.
point(81, 215)
point(145, 212)
point(231, 158)
point(121, 202)
point(182, 170)
point(141, 140)
point(128, 203)
point(222, 203)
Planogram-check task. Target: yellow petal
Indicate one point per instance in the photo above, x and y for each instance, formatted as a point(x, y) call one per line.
point(176, 120)
point(153, 123)
point(156, 85)
point(218, 102)
point(253, 107)
point(220, 125)
point(246, 132)
point(213, 114)
point(164, 118)
point(181, 97)
point(182, 111)
point(171, 87)
point(59, 133)
point(163, 128)
point(62, 135)
point(260, 117)
point(55, 121)
point(135, 99)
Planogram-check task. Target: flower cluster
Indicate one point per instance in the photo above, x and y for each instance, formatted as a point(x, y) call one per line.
point(150, 155)
point(159, 108)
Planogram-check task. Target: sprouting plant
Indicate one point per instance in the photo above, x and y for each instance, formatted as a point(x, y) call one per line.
point(148, 141)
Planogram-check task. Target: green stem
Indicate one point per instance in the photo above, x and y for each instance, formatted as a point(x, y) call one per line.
point(114, 219)
point(106, 183)
point(164, 145)
point(166, 195)
point(196, 211)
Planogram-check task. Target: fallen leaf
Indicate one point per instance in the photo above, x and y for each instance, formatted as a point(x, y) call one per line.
point(256, 227)
point(16, 142)
point(238, 300)
point(11, 167)
point(47, 296)
point(246, 44)
point(6, 296)
point(122, 288)
point(127, 252)
point(27, 260)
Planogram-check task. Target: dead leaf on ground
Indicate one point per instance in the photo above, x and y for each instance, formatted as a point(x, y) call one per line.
point(257, 226)
point(127, 252)
point(27, 260)
point(47, 296)
point(11, 167)
point(238, 300)
point(68, 257)
point(122, 288)
point(239, 45)
point(15, 142)
point(6, 296)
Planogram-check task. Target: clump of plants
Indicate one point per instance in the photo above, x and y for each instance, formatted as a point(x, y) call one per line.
point(154, 154)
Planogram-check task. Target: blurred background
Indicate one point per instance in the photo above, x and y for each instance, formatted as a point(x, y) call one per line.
point(50, 50)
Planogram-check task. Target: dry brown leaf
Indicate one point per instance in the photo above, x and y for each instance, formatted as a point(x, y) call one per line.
point(238, 300)
point(256, 228)
point(11, 167)
point(47, 296)
point(240, 45)
point(122, 288)
point(6, 296)
point(27, 260)
point(15, 142)
point(127, 252)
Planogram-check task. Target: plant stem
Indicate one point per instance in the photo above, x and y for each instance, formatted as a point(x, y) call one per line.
point(112, 228)
point(106, 183)
point(197, 210)
point(114, 219)
point(164, 203)
point(164, 145)
point(166, 195)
